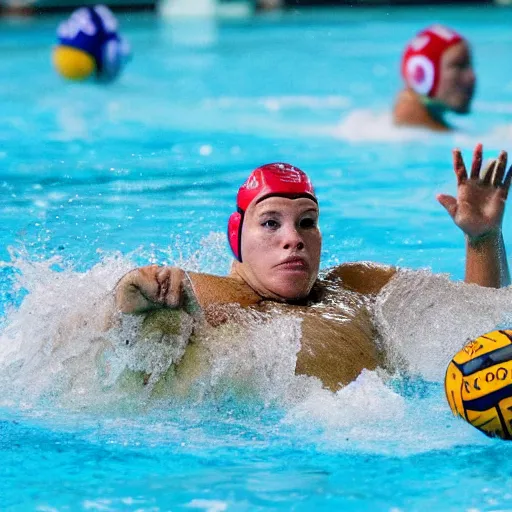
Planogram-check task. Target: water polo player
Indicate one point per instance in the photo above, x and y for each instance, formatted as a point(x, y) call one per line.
point(275, 238)
point(439, 77)
point(89, 46)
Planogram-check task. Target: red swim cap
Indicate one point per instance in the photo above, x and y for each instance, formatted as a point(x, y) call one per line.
point(276, 179)
point(421, 61)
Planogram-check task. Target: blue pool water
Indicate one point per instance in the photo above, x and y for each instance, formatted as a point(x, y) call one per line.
point(96, 180)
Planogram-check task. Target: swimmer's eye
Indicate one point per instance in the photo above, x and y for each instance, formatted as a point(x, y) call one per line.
point(462, 65)
point(270, 223)
point(307, 223)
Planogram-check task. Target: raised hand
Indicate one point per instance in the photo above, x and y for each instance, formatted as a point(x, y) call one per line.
point(480, 203)
point(148, 288)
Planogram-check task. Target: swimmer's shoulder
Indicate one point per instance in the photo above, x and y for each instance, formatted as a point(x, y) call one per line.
point(211, 290)
point(363, 277)
point(409, 111)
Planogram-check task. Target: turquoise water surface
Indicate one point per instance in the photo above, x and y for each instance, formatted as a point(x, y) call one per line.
point(96, 180)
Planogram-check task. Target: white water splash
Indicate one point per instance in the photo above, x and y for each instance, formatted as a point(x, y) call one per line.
point(366, 400)
point(64, 344)
point(53, 351)
point(57, 328)
point(366, 125)
point(368, 416)
point(425, 319)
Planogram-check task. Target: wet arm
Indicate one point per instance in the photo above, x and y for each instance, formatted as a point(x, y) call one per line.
point(486, 261)
point(478, 211)
point(149, 288)
point(130, 300)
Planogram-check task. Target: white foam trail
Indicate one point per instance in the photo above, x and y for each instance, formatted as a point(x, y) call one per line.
point(425, 319)
point(361, 125)
point(366, 125)
point(367, 400)
point(367, 416)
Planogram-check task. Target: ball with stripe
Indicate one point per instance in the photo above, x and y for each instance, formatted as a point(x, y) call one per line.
point(478, 383)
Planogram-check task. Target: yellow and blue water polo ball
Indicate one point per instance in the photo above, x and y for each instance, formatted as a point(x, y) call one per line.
point(89, 45)
point(72, 63)
point(478, 383)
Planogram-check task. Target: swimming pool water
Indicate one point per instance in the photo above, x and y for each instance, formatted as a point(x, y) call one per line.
point(95, 180)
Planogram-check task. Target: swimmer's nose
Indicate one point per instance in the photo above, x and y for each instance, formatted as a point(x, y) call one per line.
point(470, 78)
point(293, 240)
point(298, 246)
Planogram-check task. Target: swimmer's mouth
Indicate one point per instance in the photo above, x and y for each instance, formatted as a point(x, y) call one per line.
point(294, 263)
point(469, 92)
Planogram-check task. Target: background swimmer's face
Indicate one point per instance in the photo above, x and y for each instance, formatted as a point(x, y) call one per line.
point(281, 246)
point(457, 78)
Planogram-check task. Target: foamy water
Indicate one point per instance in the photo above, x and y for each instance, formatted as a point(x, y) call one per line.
point(55, 351)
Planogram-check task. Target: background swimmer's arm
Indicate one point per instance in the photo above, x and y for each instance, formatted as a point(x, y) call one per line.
point(148, 288)
point(362, 277)
point(478, 211)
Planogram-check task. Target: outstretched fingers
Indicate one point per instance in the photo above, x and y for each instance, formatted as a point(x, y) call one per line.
point(507, 181)
point(449, 203)
point(476, 164)
point(499, 169)
point(488, 172)
point(459, 167)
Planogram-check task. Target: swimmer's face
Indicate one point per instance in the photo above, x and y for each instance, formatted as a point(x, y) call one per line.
point(457, 78)
point(281, 246)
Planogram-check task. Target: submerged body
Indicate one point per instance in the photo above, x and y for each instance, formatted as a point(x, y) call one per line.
point(337, 335)
point(276, 242)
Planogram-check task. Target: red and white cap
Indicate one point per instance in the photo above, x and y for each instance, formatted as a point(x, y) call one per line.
point(274, 179)
point(277, 179)
point(421, 62)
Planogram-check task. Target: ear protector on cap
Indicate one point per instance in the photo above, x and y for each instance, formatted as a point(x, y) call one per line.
point(421, 62)
point(271, 179)
point(420, 73)
point(234, 233)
